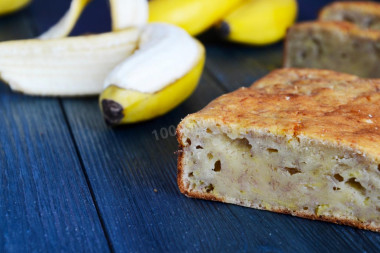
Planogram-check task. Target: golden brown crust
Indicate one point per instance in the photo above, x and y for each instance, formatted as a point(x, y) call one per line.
point(367, 7)
point(323, 105)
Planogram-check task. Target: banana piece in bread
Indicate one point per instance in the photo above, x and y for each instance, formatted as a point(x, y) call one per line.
point(338, 46)
point(299, 141)
point(366, 15)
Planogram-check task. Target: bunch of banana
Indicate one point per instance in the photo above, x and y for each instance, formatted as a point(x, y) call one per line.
point(195, 16)
point(256, 22)
point(144, 71)
point(9, 6)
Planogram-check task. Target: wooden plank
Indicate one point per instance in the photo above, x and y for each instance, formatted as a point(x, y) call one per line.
point(45, 202)
point(235, 65)
point(126, 164)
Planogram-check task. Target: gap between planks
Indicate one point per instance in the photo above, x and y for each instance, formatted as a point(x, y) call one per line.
point(108, 239)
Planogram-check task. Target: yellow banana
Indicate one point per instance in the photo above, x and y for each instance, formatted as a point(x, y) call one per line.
point(161, 74)
point(8, 6)
point(195, 16)
point(67, 22)
point(259, 22)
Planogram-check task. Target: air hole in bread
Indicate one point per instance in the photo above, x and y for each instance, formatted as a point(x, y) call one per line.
point(356, 185)
point(209, 188)
point(303, 55)
point(243, 143)
point(208, 130)
point(210, 156)
point(217, 166)
point(272, 150)
point(292, 171)
point(317, 45)
point(199, 147)
point(348, 19)
point(305, 208)
point(188, 141)
point(191, 174)
point(368, 22)
point(339, 177)
point(336, 188)
point(378, 167)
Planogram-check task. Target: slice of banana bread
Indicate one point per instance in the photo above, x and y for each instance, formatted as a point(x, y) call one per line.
point(302, 142)
point(338, 46)
point(366, 15)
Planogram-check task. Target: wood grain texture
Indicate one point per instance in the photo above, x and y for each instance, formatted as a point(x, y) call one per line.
point(45, 202)
point(125, 165)
point(235, 66)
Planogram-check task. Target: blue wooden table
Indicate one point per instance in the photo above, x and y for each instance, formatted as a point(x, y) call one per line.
point(69, 183)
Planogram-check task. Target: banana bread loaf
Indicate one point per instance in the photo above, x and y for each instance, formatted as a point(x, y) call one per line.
point(339, 46)
point(366, 15)
point(299, 141)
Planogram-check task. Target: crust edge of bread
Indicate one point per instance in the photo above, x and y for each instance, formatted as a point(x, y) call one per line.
point(367, 6)
point(301, 214)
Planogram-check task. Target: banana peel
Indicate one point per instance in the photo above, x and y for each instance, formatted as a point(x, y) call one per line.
point(195, 16)
point(67, 22)
point(259, 22)
point(9, 6)
point(71, 66)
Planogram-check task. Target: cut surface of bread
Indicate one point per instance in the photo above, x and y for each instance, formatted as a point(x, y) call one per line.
point(366, 15)
point(302, 142)
point(338, 46)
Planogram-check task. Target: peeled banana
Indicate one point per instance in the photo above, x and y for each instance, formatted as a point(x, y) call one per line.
point(64, 67)
point(128, 13)
point(145, 71)
point(259, 22)
point(67, 22)
point(8, 6)
point(162, 73)
point(195, 16)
